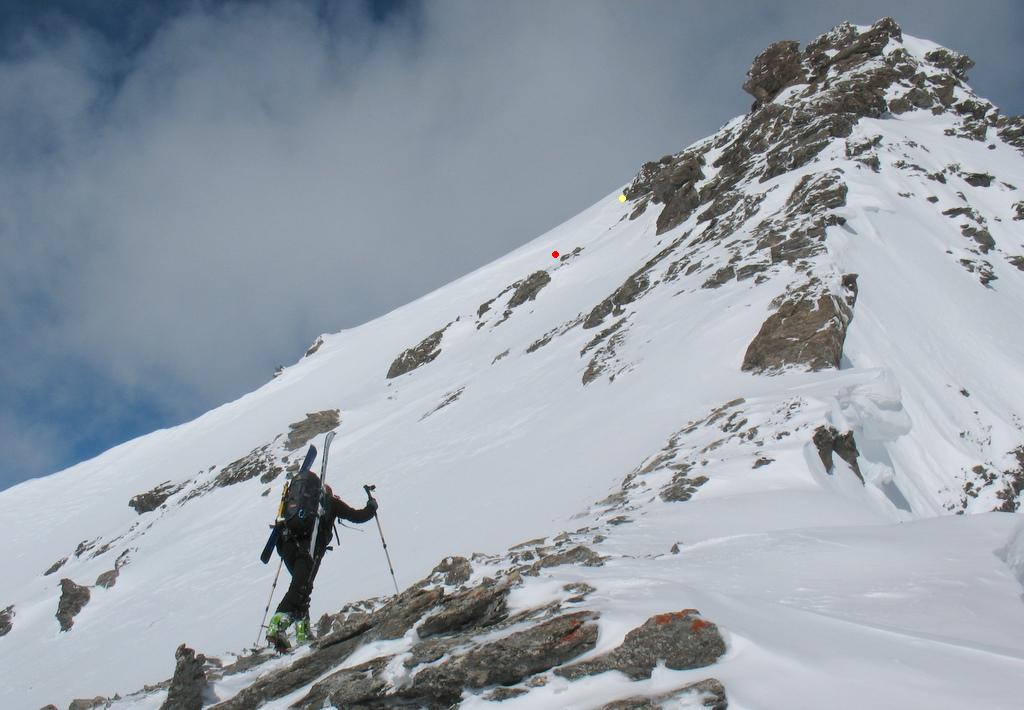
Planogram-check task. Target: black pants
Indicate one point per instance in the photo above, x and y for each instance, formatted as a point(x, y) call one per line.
point(303, 569)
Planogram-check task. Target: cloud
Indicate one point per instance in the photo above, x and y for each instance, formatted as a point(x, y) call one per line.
point(179, 220)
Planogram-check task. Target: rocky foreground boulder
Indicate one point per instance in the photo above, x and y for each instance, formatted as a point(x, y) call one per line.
point(466, 640)
point(189, 683)
point(508, 660)
point(710, 692)
point(682, 640)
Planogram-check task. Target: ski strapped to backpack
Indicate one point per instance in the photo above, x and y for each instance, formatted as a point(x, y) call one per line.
point(321, 499)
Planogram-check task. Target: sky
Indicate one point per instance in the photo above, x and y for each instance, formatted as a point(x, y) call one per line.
point(191, 192)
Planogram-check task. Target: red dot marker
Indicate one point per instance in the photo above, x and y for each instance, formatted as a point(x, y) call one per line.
point(554, 254)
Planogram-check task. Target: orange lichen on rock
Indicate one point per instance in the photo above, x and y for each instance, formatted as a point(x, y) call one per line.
point(662, 619)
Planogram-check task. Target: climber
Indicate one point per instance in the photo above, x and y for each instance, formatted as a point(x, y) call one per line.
point(295, 542)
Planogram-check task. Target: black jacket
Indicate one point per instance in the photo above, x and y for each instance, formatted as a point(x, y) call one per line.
point(336, 508)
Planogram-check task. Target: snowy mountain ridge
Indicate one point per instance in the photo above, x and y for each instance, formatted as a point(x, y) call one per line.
point(743, 405)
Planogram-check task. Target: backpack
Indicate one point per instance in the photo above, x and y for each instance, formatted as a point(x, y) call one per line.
point(301, 501)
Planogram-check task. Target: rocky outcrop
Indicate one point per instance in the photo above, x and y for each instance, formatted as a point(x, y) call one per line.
point(1011, 130)
point(109, 578)
point(980, 236)
point(799, 233)
point(828, 440)
point(418, 355)
point(523, 290)
point(955, 62)
point(355, 687)
point(579, 555)
point(671, 181)
point(681, 488)
point(982, 268)
point(73, 598)
point(481, 606)
point(252, 658)
point(258, 462)
point(453, 571)
point(604, 357)
point(1006, 481)
point(391, 621)
point(401, 613)
point(631, 289)
point(153, 498)
point(777, 67)
point(316, 345)
point(301, 672)
point(486, 305)
point(1013, 485)
point(508, 660)
point(6, 620)
point(549, 336)
point(189, 682)
point(681, 640)
point(808, 330)
point(681, 454)
point(528, 288)
point(710, 693)
point(605, 344)
point(90, 703)
point(315, 424)
point(85, 545)
point(55, 566)
point(449, 398)
point(844, 46)
point(841, 77)
point(466, 641)
point(978, 179)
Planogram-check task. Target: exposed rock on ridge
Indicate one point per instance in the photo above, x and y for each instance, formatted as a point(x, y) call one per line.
point(807, 329)
point(154, 498)
point(712, 695)
point(315, 424)
point(828, 440)
point(418, 355)
point(682, 640)
point(259, 462)
point(73, 598)
point(779, 137)
point(6, 620)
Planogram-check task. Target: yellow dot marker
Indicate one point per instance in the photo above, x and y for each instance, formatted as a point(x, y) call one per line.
point(622, 198)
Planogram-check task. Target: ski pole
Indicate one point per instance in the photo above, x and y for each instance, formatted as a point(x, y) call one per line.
point(369, 494)
point(263, 624)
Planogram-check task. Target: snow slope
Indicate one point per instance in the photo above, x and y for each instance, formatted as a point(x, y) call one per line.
point(832, 592)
